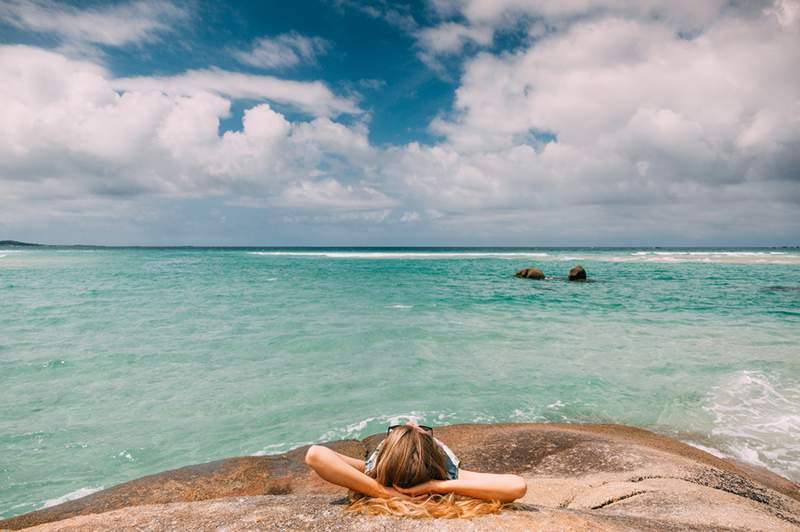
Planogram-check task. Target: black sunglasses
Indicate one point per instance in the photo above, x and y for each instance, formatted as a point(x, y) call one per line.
point(423, 427)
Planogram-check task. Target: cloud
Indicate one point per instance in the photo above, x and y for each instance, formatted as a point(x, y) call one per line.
point(330, 193)
point(283, 51)
point(451, 37)
point(70, 136)
point(393, 13)
point(619, 123)
point(614, 118)
point(682, 13)
point(115, 25)
point(313, 97)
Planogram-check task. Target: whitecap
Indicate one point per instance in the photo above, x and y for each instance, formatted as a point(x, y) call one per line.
point(710, 450)
point(721, 257)
point(365, 427)
point(399, 254)
point(757, 420)
point(71, 496)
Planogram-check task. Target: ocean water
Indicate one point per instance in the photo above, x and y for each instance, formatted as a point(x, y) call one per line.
point(116, 363)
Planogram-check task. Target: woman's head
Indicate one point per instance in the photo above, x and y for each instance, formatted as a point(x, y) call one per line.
point(409, 456)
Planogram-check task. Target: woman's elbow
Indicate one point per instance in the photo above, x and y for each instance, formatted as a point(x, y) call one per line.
point(313, 455)
point(517, 487)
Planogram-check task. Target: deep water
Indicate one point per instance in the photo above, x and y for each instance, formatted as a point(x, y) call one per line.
point(120, 362)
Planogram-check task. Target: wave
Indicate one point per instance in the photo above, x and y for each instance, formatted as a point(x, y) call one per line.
point(399, 254)
point(371, 425)
point(756, 419)
point(720, 257)
point(658, 257)
point(363, 428)
point(7, 252)
point(71, 496)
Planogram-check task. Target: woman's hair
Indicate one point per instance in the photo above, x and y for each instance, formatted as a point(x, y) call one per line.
point(408, 457)
point(448, 506)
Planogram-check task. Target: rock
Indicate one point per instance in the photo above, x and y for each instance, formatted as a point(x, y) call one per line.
point(531, 273)
point(577, 274)
point(580, 477)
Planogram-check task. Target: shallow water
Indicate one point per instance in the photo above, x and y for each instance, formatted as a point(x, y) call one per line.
point(116, 363)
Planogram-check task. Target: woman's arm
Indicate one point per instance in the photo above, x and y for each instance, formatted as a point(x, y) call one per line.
point(488, 486)
point(352, 462)
point(346, 472)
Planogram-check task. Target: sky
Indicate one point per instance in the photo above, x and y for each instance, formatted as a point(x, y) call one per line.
point(437, 122)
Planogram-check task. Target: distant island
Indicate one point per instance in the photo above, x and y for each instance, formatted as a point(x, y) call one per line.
point(18, 243)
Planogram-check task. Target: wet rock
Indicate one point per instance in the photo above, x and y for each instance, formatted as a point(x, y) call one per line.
point(530, 273)
point(577, 274)
point(580, 477)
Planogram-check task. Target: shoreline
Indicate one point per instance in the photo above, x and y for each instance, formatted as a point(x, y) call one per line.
point(603, 474)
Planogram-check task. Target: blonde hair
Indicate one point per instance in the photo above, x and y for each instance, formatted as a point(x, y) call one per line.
point(409, 456)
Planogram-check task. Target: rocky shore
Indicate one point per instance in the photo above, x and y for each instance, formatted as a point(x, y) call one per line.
point(580, 477)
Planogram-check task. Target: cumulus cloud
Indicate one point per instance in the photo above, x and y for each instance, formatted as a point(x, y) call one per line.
point(616, 118)
point(115, 25)
point(620, 122)
point(684, 13)
point(331, 193)
point(451, 37)
point(282, 51)
point(313, 97)
point(71, 130)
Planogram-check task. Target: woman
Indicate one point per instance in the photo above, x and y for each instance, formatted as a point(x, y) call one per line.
point(412, 473)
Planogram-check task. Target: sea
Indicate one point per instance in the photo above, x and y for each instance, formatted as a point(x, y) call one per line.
point(120, 362)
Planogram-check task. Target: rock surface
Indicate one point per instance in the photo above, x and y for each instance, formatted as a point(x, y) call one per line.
point(577, 274)
point(580, 477)
point(530, 273)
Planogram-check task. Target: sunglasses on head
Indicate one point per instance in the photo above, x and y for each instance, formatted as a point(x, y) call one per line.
point(426, 428)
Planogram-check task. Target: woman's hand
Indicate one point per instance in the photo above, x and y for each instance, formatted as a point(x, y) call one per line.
point(425, 488)
point(394, 493)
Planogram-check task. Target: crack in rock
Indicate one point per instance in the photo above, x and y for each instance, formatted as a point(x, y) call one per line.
point(609, 502)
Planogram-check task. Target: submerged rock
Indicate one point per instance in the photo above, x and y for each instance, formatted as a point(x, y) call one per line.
point(531, 273)
point(580, 477)
point(577, 274)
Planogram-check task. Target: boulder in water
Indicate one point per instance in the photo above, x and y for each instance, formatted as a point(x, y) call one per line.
point(577, 274)
point(531, 273)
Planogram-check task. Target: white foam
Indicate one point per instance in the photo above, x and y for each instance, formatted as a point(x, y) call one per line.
point(709, 450)
point(402, 306)
point(279, 448)
point(367, 426)
point(756, 418)
point(71, 496)
point(398, 254)
point(658, 257)
point(721, 257)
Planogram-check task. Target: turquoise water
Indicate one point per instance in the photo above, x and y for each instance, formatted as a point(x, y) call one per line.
point(116, 363)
